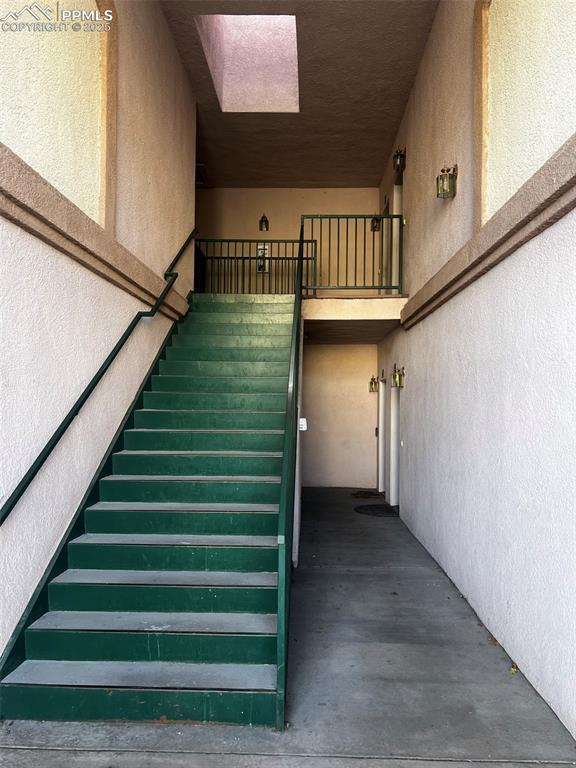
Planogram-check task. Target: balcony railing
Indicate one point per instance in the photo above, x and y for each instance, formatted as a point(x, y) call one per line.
point(359, 254)
point(250, 266)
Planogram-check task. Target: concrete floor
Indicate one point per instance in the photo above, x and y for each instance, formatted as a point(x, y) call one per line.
point(389, 668)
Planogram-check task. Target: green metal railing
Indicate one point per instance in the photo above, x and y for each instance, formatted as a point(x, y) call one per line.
point(355, 252)
point(287, 493)
point(170, 276)
point(251, 266)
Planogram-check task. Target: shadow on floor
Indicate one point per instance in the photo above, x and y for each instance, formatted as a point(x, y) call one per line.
point(387, 661)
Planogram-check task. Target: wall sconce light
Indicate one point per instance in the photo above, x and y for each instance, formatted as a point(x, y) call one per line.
point(446, 182)
point(375, 224)
point(263, 224)
point(399, 165)
point(373, 386)
point(398, 375)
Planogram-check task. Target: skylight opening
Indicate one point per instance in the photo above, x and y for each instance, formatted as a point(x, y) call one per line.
point(253, 61)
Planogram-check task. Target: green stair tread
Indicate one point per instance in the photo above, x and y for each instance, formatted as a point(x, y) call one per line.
point(156, 621)
point(242, 454)
point(138, 674)
point(163, 430)
point(170, 506)
point(193, 478)
point(175, 540)
point(167, 578)
point(248, 298)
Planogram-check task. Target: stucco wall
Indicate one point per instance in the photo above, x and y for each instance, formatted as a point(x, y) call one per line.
point(58, 323)
point(50, 84)
point(339, 448)
point(235, 213)
point(488, 419)
point(437, 130)
point(156, 137)
point(531, 108)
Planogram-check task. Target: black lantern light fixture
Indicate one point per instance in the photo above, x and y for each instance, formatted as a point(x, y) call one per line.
point(263, 224)
point(375, 223)
point(399, 165)
point(446, 182)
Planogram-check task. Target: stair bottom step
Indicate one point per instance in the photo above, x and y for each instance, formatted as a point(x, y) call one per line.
point(84, 704)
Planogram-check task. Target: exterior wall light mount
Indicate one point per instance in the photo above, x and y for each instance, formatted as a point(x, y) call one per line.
point(375, 224)
point(446, 182)
point(373, 385)
point(398, 375)
point(264, 224)
point(399, 165)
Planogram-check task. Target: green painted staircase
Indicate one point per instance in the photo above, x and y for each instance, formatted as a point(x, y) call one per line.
point(167, 611)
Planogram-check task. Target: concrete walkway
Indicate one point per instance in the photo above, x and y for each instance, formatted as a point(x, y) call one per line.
point(389, 668)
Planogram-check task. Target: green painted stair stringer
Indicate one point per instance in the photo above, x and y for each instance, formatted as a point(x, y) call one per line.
point(185, 527)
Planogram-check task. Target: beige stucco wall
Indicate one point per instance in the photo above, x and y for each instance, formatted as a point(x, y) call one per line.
point(156, 137)
point(531, 108)
point(437, 130)
point(339, 448)
point(50, 84)
point(235, 213)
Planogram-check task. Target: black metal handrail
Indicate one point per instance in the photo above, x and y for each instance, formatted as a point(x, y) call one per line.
point(287, 493)
point(170, 276)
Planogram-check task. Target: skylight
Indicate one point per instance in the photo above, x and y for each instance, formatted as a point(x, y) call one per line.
point(253, 61)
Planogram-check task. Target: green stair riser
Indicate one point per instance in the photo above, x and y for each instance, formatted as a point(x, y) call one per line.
point(158, 464)
point(238, 523)
point(189, 491)
point(228, 384)
point(207, 368)
point(77, 645)
point(156, 440)
point(255, 330)
point(208, 420)
point(136, 597)
point(26, 702)
point(206, 318)
point(222, 341)
point(217, 401)
point(172, 558)
point(266, 355)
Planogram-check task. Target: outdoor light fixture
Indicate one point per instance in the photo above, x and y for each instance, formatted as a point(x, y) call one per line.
point(446, 182)
point(373, 385)
point(398, 375)
point(375, 224)
point(264, 224)
point(399, 164)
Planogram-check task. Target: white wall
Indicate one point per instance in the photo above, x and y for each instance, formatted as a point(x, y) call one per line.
point(339, 448)
point(58, 323)
point(488, 422)
point(531, 107)
point(156, 137)
point(437, 129)
point(50, 84)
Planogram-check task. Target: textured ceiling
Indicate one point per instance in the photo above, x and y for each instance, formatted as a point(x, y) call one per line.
point(357, 62)
point(347, 331)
